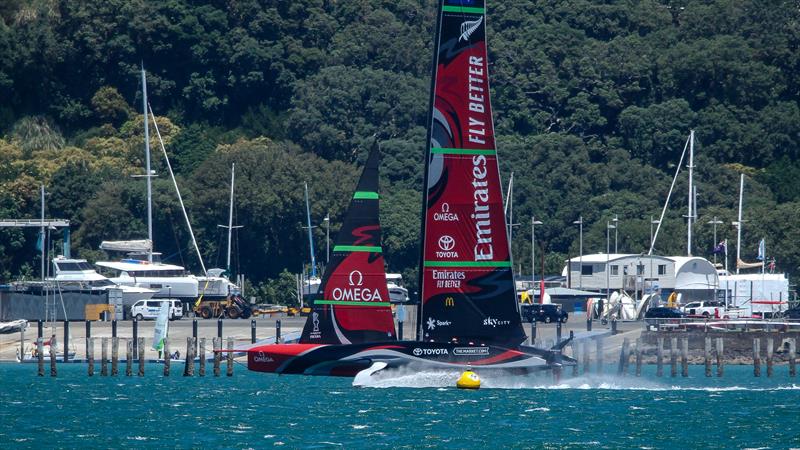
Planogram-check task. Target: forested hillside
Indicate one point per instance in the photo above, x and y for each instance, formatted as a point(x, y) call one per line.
point(593, 100)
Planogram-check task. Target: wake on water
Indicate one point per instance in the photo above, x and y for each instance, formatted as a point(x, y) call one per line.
point(410, 378)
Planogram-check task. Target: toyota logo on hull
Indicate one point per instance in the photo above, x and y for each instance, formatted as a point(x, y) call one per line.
point(429, 351)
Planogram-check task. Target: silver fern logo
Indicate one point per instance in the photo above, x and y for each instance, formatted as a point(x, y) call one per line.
point(469, 27)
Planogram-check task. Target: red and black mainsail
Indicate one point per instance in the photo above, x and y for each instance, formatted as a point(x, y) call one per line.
point(353, 304)
point(467, 284)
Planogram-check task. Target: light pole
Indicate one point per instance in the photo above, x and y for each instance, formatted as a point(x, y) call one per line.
point(327, 221)
point(715, 222)
point(534, 222)
point(579, 222)
point(616, 222)
point(609, 226)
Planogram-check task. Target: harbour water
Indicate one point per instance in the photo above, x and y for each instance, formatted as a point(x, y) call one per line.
point(411, 410)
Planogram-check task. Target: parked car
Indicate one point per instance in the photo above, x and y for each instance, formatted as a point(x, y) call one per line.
point(706, 308)
point(792, 313)
point(543, 312)
point(659, 314)
point(148, 309)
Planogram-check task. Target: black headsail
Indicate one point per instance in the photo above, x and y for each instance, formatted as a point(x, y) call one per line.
point(353, 304)
point(467, 284)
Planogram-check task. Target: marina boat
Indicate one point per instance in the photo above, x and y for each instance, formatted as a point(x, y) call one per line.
point(143, 267)
point(13, 326)
point(469, 314)
point(78, 274)
point(167, 280)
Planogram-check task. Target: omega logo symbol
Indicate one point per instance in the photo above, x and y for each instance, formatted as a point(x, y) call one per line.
point(356, 278)
point(445, 207)
point(446, 243)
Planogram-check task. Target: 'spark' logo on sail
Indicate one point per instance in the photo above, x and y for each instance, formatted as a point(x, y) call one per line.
point(356, 293)
point(444, 214)
point(446, 246)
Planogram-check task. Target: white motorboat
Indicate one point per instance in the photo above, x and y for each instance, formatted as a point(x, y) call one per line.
point(167, 280)
point(78, 274)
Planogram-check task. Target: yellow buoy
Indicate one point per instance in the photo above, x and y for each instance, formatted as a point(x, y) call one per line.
point(468, 380)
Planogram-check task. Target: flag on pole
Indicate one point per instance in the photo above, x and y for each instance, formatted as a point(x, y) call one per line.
point(720, 248)
point(762, 250)
point(40, 241)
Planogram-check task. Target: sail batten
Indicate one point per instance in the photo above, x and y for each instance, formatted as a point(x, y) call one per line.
point(467, 284)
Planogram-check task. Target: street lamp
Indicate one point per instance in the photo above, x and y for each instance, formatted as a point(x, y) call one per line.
point(534, 222)
point(609, 227)
point(327, 221)
point(715, 222)
point(579, 222)
point(616, 221)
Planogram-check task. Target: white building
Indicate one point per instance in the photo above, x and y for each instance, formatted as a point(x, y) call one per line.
point(756, 292)
point(692, 278)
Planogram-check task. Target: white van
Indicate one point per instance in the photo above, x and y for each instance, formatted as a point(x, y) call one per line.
point(148, 309)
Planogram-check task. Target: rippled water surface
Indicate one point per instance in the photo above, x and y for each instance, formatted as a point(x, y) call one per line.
point(412, 410)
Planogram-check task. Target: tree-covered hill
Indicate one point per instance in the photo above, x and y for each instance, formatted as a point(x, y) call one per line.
point(593, 105)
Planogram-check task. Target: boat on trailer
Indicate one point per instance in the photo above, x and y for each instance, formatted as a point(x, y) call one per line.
point(469, 314)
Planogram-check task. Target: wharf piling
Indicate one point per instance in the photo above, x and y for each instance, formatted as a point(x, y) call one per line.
point(757, 357)
point(230, 357)
point(40, 354)
point(88, 333)
point(128, 357)
point(114, 356)
point(792, 358)
point(707, 356)
point(53, 370)
point(66, 341)
point(624, 356)
point(202, 370)
point(720, 359)
point(217, 342)
point(660, 358)
point(574, 347)
point(685, 358)
point(770, 344)
point(673, 357)
point(638, 357)
point(189, 369)
point(90, 355)
point(104, 357)
point(167, 355)
point(141, 351)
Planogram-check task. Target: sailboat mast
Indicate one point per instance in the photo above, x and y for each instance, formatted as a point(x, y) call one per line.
point(739, 224)
point(230, 220)
point(42, 234)
point(690, 215)
point(426, 159)
point(310, 237)
point(147, 167)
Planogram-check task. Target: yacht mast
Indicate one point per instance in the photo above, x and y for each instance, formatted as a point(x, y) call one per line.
point(690, 215)
point(739, 224)
point(147, 168)
point(310, 238)
point(230, 221)
point(669, 194)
